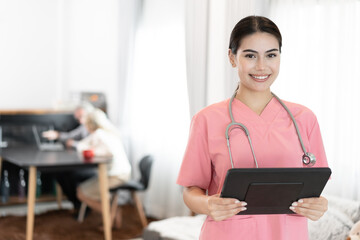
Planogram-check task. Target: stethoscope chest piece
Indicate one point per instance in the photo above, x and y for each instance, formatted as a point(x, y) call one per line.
point(309, 159)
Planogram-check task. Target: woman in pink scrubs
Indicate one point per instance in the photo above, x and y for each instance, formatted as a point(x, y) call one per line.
point(254, 50)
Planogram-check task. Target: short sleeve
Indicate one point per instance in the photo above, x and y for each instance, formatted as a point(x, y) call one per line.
point(196, 165)
point(317, 146)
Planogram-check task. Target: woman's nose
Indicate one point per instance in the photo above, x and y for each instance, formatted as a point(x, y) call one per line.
point(260, 64)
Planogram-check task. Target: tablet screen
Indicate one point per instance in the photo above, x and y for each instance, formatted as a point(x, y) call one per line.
point(279, 196)
point(273, 190)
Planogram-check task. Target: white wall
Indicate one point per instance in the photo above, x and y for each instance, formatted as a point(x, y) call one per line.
point(90, 47)
point(53, 49)
point(27, 53)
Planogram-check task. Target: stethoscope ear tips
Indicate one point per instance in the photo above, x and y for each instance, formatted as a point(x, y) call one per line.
point(309, 159)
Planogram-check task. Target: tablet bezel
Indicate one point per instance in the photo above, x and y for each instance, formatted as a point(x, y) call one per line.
point(238, 181)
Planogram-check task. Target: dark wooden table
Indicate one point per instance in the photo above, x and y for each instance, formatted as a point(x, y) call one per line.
point(33, 159)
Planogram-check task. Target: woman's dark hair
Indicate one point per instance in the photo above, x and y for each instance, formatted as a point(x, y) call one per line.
point(250, 25)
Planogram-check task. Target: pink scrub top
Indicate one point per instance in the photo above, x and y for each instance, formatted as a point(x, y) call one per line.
point(275, 143)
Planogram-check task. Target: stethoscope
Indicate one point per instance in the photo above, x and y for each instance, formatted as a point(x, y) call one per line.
point(308, 159)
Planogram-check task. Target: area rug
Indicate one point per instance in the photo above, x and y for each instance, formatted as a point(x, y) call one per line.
point(61, 224)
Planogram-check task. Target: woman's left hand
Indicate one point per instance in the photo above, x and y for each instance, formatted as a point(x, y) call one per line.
point(312, 208)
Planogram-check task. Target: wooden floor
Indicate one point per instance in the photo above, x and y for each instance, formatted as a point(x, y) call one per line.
point(61, 224)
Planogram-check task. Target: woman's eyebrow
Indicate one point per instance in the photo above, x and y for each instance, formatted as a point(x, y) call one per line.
point(253, 51)
point(250, 50)
point(272, 50)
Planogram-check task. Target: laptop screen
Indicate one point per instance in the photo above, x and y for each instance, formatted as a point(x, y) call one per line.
point(36, 135)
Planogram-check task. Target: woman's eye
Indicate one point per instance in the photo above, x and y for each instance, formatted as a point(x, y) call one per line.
point(250, 56)
point(272, 55)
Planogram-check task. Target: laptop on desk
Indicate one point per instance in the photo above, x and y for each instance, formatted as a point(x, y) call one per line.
point(46, 146)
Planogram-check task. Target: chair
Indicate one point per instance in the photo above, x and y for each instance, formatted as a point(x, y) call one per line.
point(133, 186)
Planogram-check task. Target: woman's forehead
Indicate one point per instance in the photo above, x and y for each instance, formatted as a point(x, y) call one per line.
point(259, 41)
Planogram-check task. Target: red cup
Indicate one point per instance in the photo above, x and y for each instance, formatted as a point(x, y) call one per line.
point(88, 154)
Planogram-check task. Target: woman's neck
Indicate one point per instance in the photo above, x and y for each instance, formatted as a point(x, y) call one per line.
point(256, 101)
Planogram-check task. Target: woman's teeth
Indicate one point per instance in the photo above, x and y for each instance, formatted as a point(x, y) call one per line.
point(260, 77)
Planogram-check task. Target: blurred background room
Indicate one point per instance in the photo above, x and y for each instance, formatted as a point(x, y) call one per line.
point(152, 64)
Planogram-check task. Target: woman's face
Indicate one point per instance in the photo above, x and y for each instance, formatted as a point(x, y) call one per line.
point(257, 61)
point(90, 126)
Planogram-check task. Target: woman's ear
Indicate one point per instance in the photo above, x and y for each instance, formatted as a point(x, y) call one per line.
point(231, 58)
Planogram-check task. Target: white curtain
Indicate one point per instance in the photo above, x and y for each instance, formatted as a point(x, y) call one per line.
point(196, 20)
point(209, 23)
point(320, 60)
point(157, 113)
point(128, 21)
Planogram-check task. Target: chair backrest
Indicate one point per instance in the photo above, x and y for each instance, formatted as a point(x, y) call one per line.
point(145, 170)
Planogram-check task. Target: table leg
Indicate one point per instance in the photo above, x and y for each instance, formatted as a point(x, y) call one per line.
point(0, 167)
point(105, 205)
point(31, 203)
point(59, 195)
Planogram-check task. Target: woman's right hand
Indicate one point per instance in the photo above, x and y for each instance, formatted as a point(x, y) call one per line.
point(214, 206)
point(223, 208)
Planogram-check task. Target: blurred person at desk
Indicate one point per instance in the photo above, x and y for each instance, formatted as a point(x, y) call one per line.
point(71, 138)
point(104, 140)
point(69, 180)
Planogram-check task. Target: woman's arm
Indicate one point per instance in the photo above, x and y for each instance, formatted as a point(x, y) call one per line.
point(214, 206)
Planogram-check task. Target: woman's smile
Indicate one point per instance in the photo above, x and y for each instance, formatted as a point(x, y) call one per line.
point(260, 78)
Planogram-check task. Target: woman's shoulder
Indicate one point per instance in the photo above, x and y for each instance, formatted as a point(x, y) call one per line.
point(104, 133)
point(210, 115)
point(218, 108)
point(300, 111)
point(98, 132)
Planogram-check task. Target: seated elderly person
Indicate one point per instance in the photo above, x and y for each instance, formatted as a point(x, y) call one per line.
point(71, 138)
point(70, 179)
point(104, 140)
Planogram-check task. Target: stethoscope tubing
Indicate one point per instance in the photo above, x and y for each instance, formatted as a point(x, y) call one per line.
point(246, 131)
point(293, 120)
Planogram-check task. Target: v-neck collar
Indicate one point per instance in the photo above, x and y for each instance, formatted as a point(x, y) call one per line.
point(267, 115)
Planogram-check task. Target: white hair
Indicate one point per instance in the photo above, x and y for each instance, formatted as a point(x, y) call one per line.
point(86, 106)
point(98, 119)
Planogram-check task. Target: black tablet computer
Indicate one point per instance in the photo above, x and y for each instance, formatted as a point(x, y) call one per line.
point(273, 190)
